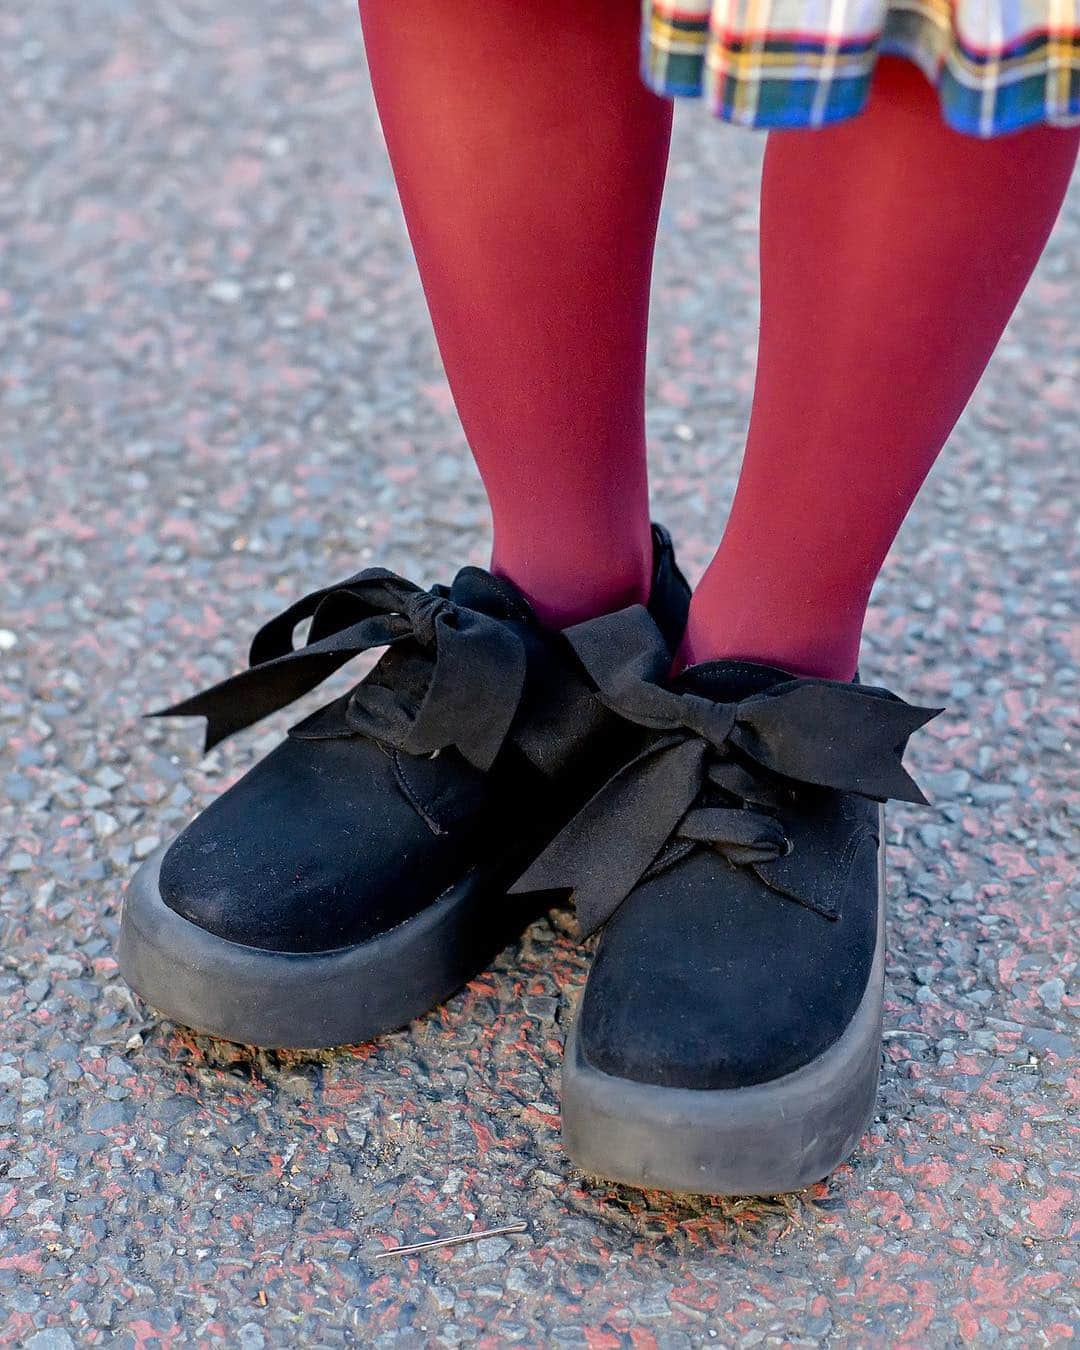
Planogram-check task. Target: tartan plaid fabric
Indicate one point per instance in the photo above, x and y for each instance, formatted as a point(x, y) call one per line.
point(998, 65)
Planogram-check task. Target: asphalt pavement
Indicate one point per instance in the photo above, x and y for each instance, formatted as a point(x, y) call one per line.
point(218, 389)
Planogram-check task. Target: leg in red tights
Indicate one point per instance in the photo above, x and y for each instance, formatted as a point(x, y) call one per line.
point(893, 251)
point(530, 162)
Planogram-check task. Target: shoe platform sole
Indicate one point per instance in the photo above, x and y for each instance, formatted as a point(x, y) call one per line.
point(312, 1000)
point(765, 1139)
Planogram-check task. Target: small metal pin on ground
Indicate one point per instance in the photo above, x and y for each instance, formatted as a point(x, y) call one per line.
point(431, 1243)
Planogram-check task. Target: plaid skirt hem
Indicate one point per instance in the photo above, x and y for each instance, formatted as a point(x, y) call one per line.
point(763, 76)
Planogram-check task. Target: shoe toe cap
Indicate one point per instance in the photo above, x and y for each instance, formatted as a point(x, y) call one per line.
point(705, 979)
point(274, 894)
point(312, 850)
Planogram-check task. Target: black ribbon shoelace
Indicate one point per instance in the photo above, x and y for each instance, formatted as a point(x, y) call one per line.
point(477, 674)
point(754, 753)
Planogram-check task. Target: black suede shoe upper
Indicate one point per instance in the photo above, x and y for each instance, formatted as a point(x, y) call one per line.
point(732, 859)
point(468, 744)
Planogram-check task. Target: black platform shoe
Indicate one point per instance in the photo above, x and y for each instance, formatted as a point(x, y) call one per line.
point(729, 1035)
point(358, 875)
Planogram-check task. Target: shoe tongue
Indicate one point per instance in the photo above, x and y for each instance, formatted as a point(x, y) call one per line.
point(475, 588)
point(728, 681)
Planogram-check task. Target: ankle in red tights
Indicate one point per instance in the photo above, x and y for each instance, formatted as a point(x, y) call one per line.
point(893, 250)
point(530, 162)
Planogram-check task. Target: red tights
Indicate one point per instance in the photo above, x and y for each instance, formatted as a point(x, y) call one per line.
point(530, 162)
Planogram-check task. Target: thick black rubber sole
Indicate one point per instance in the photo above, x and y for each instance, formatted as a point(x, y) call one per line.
point(765, 1139)
point(305, 1000)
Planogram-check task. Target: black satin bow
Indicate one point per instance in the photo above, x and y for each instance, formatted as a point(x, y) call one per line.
point(476, 681)
point(800, 731)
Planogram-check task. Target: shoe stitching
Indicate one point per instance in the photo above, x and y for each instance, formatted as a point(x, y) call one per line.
point(413, 796)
